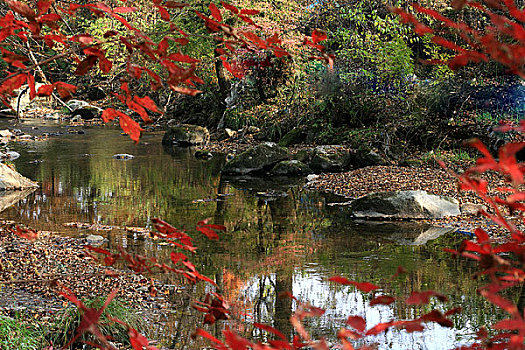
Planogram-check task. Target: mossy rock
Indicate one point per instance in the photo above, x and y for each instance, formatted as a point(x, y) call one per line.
point(186, 135)
point(257, 159)
point(294, 136)
point(291, 168)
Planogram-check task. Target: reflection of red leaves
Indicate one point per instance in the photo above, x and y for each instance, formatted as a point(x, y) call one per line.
point(382, 300)
point(357, 322)
point(26, 233)
point(421, 298)
point(363, 286)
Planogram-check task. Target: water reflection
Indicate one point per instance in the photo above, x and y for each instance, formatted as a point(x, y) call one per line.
point(280, 238)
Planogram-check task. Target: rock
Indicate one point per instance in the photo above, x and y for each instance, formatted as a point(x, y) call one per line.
point(186, 135)
point(95, 240)
point(6, 133)
point(404, 205)
point(84, 110)
point(472, 209)
point(330, 159)
point(365, 157)
point(256, 159)
point(312, 177)
point(9, 155)
point(290, 168)
point(12, 180)
point(292, 137)
point(123, 156)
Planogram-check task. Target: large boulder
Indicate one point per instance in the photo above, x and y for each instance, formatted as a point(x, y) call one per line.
point(83, 110)
point(12, 180)
point(404, 205)
point(330, 158)
point(290, 168)
point(256, 159)
point(186, 135)
point(365, 157)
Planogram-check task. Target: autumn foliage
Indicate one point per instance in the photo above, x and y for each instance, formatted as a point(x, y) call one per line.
point(502, 263)
point(44, 24)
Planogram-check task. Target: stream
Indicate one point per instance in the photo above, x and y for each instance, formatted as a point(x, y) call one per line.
point(280, 237)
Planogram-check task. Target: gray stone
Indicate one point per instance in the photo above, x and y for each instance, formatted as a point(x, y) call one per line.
point(290, 168)
point(6, 133)
point(12, 180)
point(256, 159)
point(292, 137)
point(330, 159)
point(365, 157)
point(123, 156)
point(84, 110)
point(95, 240)
point(472, 209)
point(404, 205)
point(186, 135)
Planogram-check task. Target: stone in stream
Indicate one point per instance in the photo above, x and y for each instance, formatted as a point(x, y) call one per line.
point(404, 205)
point(123, 156)
point(95, 240)
point(12, 180)
point(186, 135)
point(256, 159)
point(330, 158)
point(290, 168)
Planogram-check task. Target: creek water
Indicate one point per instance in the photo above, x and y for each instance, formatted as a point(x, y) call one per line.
point(279, 237)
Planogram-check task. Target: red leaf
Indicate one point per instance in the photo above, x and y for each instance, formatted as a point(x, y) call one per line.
point(22, 8)
point(501, 302)
point(510, 324)
point(104, 64)
point(379, 328)
point(26, 233)
point(357, 322)
point(31, 83)
point(43, 6)
point(382, 300)
point(65, 90)
point(318, 36)
point(179, 57)
point(204, 334)
point(140, 110)
point(230, 8)
point(86, 64)
point(269, 329)
point(176, 257)
point(215, 12)
point(45, 90)
point(420, 298)
point(208, 232)
point(109, 114)
point(129, 126)
point(363, 286)
point(97, 250)
point(124, 9)
point(147, 103)
point(13, 83)
point(250, 12)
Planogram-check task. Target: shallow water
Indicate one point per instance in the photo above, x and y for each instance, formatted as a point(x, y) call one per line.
point(279, 237)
